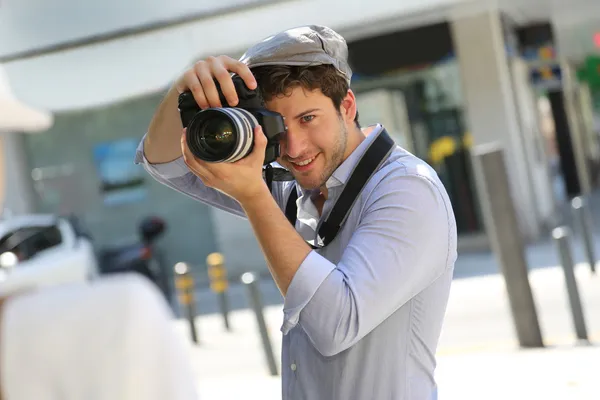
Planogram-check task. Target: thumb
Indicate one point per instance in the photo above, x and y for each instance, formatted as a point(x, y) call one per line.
point(260, 140)
point(182, 138)
point(260, 144)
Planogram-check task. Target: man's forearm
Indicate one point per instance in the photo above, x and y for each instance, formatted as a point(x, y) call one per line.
point(162, 142)
point(282, 246)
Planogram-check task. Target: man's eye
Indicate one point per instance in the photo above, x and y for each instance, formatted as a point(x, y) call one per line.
point(308, 118)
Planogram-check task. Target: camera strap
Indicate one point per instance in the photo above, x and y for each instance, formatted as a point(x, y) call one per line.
point(271, 174)
point(372, 159)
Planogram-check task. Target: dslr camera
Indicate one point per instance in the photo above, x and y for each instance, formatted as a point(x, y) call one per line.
point(227, 134)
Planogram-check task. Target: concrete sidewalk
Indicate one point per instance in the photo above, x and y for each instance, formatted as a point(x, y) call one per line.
point(478, 355)
point(555, 373)
point(230, 369)
point(560, 373)
point(564, 373)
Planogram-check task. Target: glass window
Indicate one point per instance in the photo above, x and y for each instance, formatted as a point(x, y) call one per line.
point(27, 242)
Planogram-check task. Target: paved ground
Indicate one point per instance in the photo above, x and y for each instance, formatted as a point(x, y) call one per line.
point(479, 318)
point(562, 373)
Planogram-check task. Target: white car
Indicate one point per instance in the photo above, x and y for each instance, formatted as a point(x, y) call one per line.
point(43, 250)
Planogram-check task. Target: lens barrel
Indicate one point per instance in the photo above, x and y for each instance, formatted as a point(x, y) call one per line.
point(221, 134)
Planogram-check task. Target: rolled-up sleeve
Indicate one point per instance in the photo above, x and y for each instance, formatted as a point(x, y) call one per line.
point(176, 175)
point(170, 170)
point(404, 242)
point(309, 276)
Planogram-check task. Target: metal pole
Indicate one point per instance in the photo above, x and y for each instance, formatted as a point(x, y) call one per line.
point(502, 227)
point(561, 236)
point(581, 214)
point(219, 283)
point(185, 284)
point(157, 265)
point(224, 306)
point(249, 280)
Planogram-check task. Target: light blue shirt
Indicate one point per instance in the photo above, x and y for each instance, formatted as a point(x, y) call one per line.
point(362, 317)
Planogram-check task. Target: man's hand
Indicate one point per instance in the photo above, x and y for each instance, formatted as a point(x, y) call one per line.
point(242, 180)
point(200, 80)
point(162, 142)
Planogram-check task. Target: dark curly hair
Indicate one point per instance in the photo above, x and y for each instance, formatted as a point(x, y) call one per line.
point(278, 80)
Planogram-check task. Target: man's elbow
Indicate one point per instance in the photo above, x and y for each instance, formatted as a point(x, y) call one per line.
point(332, 343)
point(329, 347)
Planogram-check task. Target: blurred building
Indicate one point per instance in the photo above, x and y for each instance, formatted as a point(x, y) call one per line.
point(442, 75)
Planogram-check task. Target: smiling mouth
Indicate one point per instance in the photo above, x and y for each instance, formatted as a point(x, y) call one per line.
point(304, 165)
point(303, 162)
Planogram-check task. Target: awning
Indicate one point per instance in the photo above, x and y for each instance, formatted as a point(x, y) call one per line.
point(16, 116)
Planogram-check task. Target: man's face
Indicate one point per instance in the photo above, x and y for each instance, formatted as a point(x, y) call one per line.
point(315, 142)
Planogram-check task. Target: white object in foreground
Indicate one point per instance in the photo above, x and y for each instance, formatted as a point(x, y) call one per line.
point(106, 340)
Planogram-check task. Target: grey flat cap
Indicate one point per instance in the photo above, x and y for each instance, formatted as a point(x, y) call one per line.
point(305, 45)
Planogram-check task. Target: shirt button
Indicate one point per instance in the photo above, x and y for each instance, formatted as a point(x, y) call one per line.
point(293, 367)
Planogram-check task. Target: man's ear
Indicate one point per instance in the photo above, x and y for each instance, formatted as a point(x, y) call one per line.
point(348, 106)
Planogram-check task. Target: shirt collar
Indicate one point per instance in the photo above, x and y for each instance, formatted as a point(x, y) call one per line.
point(342, 173)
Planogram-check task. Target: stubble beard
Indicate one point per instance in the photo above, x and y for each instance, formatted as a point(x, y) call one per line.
point(337, 155)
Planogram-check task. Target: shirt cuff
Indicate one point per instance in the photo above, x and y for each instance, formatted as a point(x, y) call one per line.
point(169, 170)
point(305, 283)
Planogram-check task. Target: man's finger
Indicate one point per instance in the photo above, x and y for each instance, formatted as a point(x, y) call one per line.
point(190, 160)
point(205, 76)
point(242, 70)
point(260, 144)
point(192, 82)
point(260, 139)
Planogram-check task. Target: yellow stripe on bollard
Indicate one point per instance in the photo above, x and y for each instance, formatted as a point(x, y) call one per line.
point(185, 298)
point(215, 259)
point(216, 272)
point(219, 286)
point(184, 282)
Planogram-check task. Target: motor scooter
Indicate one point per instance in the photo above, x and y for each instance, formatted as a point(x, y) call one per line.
point(141, 257)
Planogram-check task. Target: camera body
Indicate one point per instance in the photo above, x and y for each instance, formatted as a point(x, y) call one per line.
point(227, 134)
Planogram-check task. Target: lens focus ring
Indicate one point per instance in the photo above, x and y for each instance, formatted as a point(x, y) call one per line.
point(221, 134)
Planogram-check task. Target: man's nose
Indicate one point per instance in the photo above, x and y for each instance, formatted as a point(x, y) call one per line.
point(293, 143)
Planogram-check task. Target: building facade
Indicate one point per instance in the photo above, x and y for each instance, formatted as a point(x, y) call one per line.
point(442, 75)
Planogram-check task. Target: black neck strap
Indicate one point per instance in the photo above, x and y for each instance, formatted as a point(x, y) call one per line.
point(376, 154)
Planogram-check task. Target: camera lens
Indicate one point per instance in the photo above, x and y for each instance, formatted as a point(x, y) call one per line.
point(217, 136)
point(221, 134)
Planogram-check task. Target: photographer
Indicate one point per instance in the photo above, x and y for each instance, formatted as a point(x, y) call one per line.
point(364, 303)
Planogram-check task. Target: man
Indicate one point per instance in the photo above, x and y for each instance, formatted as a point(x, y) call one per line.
point(362, 315)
